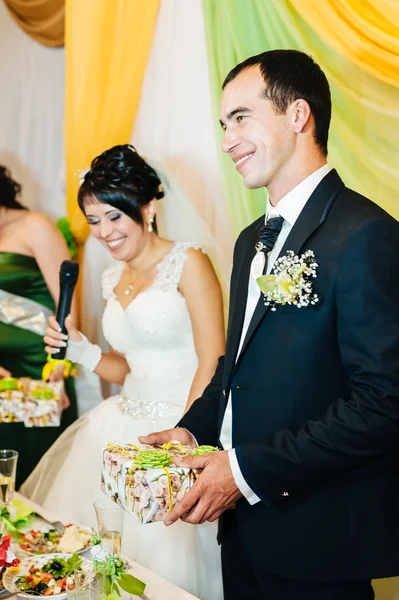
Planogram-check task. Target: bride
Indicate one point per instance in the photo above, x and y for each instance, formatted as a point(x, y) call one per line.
point(164, 322)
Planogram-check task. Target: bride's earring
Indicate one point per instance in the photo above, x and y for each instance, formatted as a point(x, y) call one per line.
point(150, 221)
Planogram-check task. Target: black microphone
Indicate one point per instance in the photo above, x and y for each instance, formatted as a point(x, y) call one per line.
point(69, 272)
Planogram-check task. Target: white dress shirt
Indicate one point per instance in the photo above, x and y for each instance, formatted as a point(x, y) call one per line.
point(289, 207)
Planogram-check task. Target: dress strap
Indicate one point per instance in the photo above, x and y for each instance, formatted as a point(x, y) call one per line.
point(171, 267)
point(110, 279)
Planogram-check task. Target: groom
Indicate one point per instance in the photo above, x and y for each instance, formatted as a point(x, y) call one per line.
point(305, 403)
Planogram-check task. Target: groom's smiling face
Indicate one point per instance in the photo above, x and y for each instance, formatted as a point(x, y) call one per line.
point(259, 141)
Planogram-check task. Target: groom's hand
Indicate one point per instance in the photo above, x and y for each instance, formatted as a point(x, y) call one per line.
point(214, 491)
point(163, 437)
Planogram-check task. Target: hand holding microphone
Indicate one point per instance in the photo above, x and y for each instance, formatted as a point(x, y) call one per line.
point(77, 346)
point(69, 273)
point(62, 338)
point(57, 341)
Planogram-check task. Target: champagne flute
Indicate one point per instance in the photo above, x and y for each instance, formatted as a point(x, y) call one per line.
point(110, 523)
point(8, 470)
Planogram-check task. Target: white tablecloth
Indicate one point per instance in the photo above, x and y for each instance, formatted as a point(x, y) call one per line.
point(156, 589)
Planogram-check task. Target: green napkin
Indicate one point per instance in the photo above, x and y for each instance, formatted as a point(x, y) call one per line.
point(16, 516)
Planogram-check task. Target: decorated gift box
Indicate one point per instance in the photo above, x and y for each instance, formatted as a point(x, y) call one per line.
point(143, 480)
point(12, 399)
point(43, 404)
point(35, 403)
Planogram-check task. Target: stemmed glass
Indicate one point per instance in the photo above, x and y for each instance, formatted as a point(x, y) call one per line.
point(110, 523)
point(8, 471)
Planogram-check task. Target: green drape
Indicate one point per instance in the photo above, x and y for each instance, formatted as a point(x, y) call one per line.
point(364, 136)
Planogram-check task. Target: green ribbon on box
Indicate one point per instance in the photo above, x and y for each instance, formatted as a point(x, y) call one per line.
point(152, 459)
point(204, 450)
point(44, 393)
point(8, 383)
point(156, 459)
point(16, 516)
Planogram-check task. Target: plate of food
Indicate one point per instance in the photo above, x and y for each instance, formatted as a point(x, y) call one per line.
point(46, 575)
point(48, 541)
point(7, 560)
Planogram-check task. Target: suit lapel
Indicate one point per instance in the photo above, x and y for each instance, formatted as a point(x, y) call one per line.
point(312, 216)
point(239, 293)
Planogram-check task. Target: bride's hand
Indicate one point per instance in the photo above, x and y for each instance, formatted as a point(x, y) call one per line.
point(163, 437)
point(4, 372)
point(55, 339)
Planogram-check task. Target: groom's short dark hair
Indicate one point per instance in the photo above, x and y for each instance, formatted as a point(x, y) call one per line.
point(289, 75)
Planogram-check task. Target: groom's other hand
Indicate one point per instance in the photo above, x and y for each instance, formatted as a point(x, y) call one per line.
point(214, 491)
point(163, 437)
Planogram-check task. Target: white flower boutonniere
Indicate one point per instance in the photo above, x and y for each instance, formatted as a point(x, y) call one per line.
point(290, 282)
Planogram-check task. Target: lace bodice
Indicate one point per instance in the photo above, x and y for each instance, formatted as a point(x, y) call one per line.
point(167, 279)
point(154, 333)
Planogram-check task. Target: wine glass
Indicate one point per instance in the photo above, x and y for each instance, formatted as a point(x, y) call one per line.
point(110, 523)
point(8, 470)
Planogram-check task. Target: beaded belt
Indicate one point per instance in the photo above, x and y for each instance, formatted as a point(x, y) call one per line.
point(138, 408)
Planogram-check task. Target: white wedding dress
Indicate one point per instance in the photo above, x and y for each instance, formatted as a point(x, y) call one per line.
point(154, 333)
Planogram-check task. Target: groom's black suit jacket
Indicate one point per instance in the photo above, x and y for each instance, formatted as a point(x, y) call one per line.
point(315, 399)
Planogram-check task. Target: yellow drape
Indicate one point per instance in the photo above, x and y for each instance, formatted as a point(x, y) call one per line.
point(107, 44)
point(42, 20)
point(366, 32)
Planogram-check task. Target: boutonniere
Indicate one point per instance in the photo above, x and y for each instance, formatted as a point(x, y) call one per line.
point(291, 281)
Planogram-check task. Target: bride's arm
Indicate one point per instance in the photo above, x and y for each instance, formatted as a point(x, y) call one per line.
point(110, 366)
point(201, 290)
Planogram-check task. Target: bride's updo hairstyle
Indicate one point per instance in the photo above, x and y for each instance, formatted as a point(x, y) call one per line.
point(9, 190)
point(121, 177)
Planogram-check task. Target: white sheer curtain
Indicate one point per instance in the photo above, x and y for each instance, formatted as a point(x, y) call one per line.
point(175, 124)
point(32, 116)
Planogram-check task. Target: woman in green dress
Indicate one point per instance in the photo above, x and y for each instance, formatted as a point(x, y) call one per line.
point(31, 251)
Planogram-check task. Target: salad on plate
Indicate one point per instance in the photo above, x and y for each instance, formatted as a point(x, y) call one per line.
point(49, 575)
point(74, 539)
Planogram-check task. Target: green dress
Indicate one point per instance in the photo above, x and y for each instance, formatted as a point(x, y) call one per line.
point(22, 353)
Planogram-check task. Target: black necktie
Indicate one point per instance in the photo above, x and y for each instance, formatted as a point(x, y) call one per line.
point(269, 234)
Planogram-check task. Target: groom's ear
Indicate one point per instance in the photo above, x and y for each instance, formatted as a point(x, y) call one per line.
point(301, 116)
